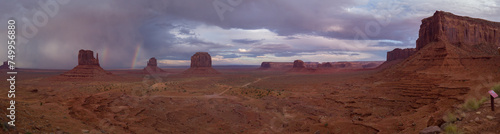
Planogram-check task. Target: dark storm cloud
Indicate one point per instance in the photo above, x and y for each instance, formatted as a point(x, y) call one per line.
point(166, 29)
point(162, 39)
point(245, 41)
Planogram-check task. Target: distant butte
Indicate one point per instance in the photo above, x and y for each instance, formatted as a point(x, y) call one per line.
point(298, 64)
point(4, 65)
point(88, 66)
point(399, 53)
point(201, 63)
point(152, 67)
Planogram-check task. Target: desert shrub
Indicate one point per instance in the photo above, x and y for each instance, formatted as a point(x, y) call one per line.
point(483, 99)
point(451, 129)
point(473, 104)
point(496, 88)
point(450, 117)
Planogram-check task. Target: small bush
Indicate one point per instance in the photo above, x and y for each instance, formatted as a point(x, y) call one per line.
point(496, 88)
point(451, 129)
point(473, 104)
point(450, 117)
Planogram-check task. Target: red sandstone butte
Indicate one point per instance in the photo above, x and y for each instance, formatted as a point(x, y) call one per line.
point(201, 63)
point(4, 66)
point(458, 30)
point(399, 53)
point(88, 66)
point(298, 64)
point(450, 44)
point(152, 66)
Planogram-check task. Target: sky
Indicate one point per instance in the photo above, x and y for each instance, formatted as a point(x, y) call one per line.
point(126, 33)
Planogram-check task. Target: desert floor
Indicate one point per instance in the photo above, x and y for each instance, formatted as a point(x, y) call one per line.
point(239, 100)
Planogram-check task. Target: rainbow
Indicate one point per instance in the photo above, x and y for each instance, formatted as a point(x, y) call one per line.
point(137, 49)
point(104, 56)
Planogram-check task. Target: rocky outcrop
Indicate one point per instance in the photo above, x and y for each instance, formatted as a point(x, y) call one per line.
point(152, 67)
point(325, 65)
point(152, 62)
point(4, 65)
point(298, 64)
point(285, 65)
point(337, 65)
point(451, 44)
point(276, 65)
point(87, 67)
point(86, 57)
point(201, 63)
point(399, 53)
point(458, 30)
point(201, 59)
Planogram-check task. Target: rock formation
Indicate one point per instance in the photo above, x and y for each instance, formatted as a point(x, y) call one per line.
point(399, 53)
point(450, 44)
point(86, 57)
point(152, 67)
point(303, 67)
point(298, 64)
point(201, 59)
point(201, 63)
point(285, 65)
point(337, 65)
point(325, 65)
point(458, 30)
point(152, 62)
point(5, 65)
point(265, 65)
point(88, 66)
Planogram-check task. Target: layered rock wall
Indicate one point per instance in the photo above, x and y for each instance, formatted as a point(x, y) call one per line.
point(458, 30)
point(86, 57)
point(451, 44)
point(201, 63)
point(201, 59)
point(399, 53)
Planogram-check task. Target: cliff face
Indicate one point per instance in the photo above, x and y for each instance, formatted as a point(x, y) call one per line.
point(400, 53)
point(458, 30)
point(201, 59)
point(201, 63)
point(451, 44)
point(86, 57)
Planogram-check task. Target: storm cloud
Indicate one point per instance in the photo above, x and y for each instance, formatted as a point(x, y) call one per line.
point(126, 33)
